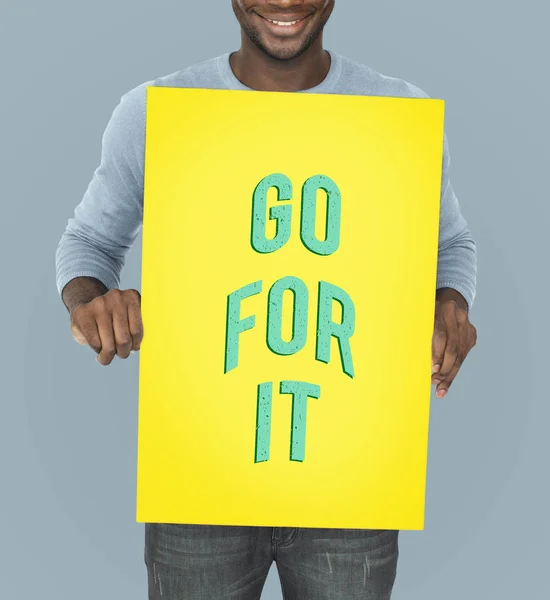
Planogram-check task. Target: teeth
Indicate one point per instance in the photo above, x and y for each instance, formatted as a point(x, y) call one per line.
point(284, 23)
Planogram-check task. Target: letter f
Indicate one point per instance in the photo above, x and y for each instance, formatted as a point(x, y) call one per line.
point(235, 325)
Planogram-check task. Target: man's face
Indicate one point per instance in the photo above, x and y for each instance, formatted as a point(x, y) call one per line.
point(283, 29)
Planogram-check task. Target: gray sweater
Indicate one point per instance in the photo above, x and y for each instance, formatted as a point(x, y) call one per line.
point(108, 219)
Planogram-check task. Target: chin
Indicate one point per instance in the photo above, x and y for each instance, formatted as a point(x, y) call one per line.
point(282, 52)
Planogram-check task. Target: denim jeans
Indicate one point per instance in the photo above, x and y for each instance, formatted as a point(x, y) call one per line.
point(214, 562)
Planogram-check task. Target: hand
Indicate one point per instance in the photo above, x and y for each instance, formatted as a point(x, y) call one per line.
point(454, 336)
point(110, 324)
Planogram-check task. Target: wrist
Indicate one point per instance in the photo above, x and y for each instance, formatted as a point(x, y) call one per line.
point(82, 290)
point(447, 294)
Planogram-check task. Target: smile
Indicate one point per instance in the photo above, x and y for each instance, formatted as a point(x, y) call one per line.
point(285, 23)
point(285, 28)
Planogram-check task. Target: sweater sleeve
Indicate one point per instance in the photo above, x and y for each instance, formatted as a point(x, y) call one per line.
point(457, 252)
point(106, 222)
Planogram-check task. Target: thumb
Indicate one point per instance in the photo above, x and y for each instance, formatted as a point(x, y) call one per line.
point(78, 335)
point(439, 341)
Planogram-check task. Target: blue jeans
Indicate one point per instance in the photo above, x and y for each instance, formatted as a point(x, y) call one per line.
point(210, 562)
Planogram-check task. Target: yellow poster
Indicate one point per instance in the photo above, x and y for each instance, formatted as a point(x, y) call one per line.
point(288, 293)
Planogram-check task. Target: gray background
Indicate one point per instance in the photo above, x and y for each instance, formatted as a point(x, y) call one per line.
point(68, 426)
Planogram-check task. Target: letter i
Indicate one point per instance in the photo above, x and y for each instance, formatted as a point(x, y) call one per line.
point(263, 421)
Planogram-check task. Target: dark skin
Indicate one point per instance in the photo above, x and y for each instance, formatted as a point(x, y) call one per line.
point(272, 57)
point(453, 338)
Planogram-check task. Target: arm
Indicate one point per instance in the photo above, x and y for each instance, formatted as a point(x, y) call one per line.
point(457, 258)
point(107, 220)
point(92, 249)
point(454, 335)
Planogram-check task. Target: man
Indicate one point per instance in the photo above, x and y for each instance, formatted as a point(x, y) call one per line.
point(281, 50)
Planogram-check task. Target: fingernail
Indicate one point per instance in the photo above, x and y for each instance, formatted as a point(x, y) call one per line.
point(441, 393)
point(436, 368)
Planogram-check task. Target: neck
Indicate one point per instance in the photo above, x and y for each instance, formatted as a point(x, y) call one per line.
point(258, 71)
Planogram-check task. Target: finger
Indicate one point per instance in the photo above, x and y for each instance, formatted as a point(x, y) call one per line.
point(467, 335)
point(76, 329)
point(108, 347)
point(443, 387)
point(444, 380)
point(453, 341)
point(121, 330)
point(135, 324)
point(472, 337)
point(85, 331)
point(439, 341)
point(78, 335)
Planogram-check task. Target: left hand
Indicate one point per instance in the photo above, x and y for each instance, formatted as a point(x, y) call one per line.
point(453, 338)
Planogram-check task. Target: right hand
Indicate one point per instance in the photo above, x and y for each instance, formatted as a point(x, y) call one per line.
point(110, 324)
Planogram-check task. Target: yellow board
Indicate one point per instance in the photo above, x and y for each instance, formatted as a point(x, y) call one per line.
point(352, 232)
